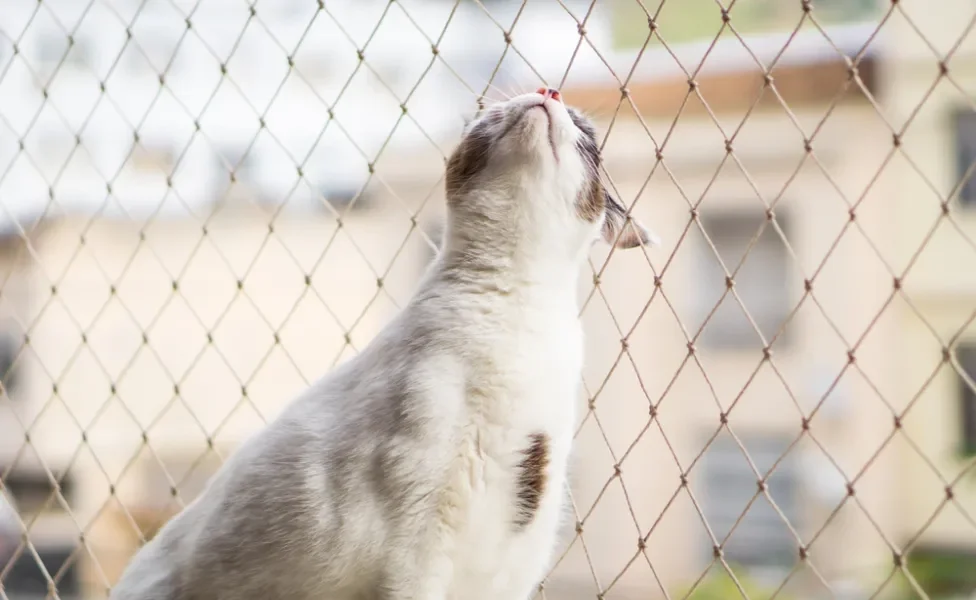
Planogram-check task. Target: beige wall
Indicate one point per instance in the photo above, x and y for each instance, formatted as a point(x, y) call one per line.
point(850, 288)
point(942, 281)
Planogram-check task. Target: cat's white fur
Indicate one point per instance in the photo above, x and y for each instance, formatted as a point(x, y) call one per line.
point(403, 474)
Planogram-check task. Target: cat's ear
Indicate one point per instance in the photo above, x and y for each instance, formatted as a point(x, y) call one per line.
point(621, 230)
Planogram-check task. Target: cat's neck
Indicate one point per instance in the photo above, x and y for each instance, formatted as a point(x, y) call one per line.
point(468, 275)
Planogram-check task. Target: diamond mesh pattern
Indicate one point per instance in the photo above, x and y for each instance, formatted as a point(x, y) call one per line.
point(209, 203)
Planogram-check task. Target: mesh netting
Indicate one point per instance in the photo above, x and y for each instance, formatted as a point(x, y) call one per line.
point(207, 204)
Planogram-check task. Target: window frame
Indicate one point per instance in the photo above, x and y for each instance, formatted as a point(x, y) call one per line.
point(29, 490)
point(965, 156)
point(785, 485)
point(725, 339)
point(966, 398)
point(25, 578)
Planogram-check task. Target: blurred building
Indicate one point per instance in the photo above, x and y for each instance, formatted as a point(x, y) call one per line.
point(175, 321)
point(874, 292)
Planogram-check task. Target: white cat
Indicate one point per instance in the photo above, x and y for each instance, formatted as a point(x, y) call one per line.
point(432, 466)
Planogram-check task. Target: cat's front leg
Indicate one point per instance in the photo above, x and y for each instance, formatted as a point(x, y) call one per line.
point(417, 570)
point(414, 594)
point(415, 585)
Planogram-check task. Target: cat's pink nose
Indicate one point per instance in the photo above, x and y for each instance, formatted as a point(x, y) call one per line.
point(549, 93)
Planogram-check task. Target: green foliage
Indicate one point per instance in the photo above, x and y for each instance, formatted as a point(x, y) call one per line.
point(700, 20)
point(718, 585)
point(943, 574)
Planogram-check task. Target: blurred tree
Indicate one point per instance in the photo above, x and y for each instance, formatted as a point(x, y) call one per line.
point(944, 573)
point(680, 21)
point(718, 585)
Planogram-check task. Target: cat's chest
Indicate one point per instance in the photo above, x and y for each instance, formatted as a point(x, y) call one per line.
point(520, 421)
point(532, 377)
point(515, 505)
point(507, 485)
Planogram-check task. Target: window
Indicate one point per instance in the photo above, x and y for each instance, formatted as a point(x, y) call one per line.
point(966, 356)
point(24, 496)
point(54, 46)
point(30, 491)
point(761, 281)
point(26, 579)
point(9, 371)
point(965, 126)
point(340, 196)
point(9, 529)
point(761, 539)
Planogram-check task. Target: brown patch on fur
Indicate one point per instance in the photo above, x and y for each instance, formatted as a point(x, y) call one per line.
point(464, 164)
point(471, 155)
point(591, 203)
point(531, 482)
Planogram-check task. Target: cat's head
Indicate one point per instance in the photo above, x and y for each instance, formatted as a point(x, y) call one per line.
point(534, 159)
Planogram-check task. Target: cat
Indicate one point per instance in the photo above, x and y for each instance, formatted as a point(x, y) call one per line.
point(433, 465)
